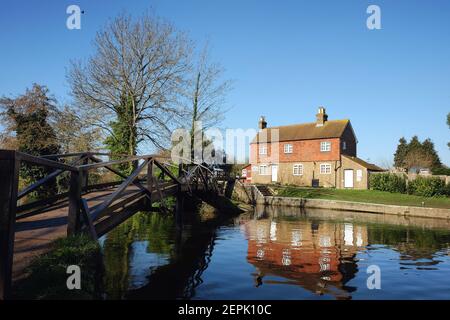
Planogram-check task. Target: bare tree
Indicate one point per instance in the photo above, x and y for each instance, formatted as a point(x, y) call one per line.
point(204, 97)
point(138, 63)
point(416, 159)
point(81, 136)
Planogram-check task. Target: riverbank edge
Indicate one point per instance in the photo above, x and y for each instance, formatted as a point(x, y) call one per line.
point(354, 206)
point(47, 275)
point(250, 194)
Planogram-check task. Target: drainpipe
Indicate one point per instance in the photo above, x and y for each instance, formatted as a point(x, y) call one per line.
point(313, 173)
point(335, 171)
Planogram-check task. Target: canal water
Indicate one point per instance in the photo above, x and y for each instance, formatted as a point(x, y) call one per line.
point(278, 253)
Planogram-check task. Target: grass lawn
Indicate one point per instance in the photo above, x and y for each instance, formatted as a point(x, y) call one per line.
point(369, 196)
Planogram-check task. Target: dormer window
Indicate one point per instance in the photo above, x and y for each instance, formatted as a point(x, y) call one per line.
point(325, 146)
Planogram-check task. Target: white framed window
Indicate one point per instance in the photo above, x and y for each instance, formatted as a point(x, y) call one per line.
point(297, 169)
point(359, 175)
point(263, 170)
point(262, 149)
point(325, 168)
point(344, 145)
point(255, 168)
point(325, 146)
point(288, 148)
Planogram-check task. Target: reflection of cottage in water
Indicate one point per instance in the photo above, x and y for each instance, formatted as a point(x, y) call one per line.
point(316, 255)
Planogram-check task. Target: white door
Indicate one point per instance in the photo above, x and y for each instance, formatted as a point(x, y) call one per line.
point(348, 178)
point(274, 172)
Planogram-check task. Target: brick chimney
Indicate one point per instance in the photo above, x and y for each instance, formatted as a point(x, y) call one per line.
point(321, 117)
point(262, 124)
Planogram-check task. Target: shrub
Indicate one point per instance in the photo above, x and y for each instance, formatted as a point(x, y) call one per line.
point(388, 182)
point(441, 171)
point(47, 273)
point(427, 187)
point(447, 189)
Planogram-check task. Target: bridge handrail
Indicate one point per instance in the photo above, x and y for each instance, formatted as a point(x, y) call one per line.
point(113, 196)
point(74, 154)
point(44, 162)
point(44, 180)
point(112, 162)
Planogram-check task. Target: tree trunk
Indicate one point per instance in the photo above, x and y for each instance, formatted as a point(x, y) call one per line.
point(194, 116)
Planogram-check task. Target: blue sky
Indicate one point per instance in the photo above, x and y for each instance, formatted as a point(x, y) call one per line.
point(286, 58)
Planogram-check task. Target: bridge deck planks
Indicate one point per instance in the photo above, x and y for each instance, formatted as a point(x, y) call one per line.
point(35, 234)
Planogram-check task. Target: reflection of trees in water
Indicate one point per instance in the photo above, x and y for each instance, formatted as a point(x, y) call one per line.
point(183, 274)
point(412, 242)
point(190, 252)
point(196, 279)
point(189, 259)
point(155, 228)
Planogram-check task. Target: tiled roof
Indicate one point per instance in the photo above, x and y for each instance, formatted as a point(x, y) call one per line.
point(306, 131)
point(368, 166)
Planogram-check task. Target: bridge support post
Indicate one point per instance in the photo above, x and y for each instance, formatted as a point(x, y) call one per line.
point(9, 171)
point(229, 187)
point(85, 175)
point(149, 183)
point(73, 219)
point(179, 204)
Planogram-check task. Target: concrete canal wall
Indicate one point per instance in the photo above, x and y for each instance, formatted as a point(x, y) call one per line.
point(355, 206)
point(249, 194)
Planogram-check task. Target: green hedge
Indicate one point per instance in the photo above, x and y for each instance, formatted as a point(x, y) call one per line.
point(388, 182)
point(441, 171)
point(421, 186)
point(428, 187)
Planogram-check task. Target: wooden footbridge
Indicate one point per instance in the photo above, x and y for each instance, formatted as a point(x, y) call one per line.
point(28, 228)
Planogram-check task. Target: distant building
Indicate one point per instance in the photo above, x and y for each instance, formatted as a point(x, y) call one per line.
point(246, 173)
point(320, 153)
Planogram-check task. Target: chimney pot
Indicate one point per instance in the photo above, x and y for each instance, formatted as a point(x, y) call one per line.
point(262, 124)
point(321, 117)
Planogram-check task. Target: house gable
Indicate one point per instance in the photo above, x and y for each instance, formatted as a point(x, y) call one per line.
point(348, 141)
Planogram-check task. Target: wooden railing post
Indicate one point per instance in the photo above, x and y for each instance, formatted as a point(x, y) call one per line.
point(9, 171)
point(73, 219)
point(85, 175)
point(149, 182)
point(179, 203)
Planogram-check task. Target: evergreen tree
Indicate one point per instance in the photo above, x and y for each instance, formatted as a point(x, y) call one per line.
point(400, 154)
point(28, 116)
point(416, 154)
point(428, 149)
point(414, 144)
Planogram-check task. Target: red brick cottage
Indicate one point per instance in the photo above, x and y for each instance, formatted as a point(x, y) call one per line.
point(320, 153)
